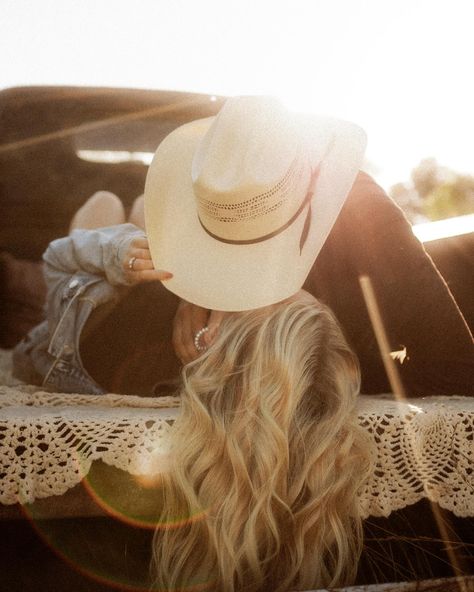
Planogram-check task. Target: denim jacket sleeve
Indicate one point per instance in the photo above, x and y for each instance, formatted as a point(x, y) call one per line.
point(82, 271)
point(97, 252)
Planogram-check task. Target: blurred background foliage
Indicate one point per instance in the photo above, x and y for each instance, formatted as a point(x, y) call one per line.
point(434, 192)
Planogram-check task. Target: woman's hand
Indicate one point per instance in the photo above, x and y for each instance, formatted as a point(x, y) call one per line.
point(138, 266)
point(190, 319)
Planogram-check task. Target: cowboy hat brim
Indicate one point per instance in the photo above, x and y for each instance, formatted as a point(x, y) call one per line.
point(234, 277)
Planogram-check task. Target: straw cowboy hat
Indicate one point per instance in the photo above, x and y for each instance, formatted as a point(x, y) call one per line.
point(238, 206)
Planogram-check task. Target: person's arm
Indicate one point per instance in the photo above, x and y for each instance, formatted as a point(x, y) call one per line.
point(103, 252)
point(372, 237)
point(99, 252)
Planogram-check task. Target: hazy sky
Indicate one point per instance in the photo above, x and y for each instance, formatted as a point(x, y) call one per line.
point(402, 69)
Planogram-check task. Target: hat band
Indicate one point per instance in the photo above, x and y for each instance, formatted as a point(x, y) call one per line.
point(304, 233)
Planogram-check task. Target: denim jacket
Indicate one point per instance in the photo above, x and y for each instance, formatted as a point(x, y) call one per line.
point(82, 271)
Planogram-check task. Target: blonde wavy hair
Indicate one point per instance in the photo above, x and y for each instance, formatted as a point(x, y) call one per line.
point(267, 459)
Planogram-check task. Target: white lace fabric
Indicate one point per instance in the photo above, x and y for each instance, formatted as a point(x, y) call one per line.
point(423, 448)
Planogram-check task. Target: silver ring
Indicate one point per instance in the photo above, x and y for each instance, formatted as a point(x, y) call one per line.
point(131, 261)
point(197, 337)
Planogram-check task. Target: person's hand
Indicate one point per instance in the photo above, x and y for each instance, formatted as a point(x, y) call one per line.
point(138, 266)
point(190, 319)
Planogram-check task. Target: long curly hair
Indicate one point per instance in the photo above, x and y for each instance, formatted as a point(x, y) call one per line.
point(267, 458)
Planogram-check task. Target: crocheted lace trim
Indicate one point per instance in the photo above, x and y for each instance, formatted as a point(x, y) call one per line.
point(48, 441)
